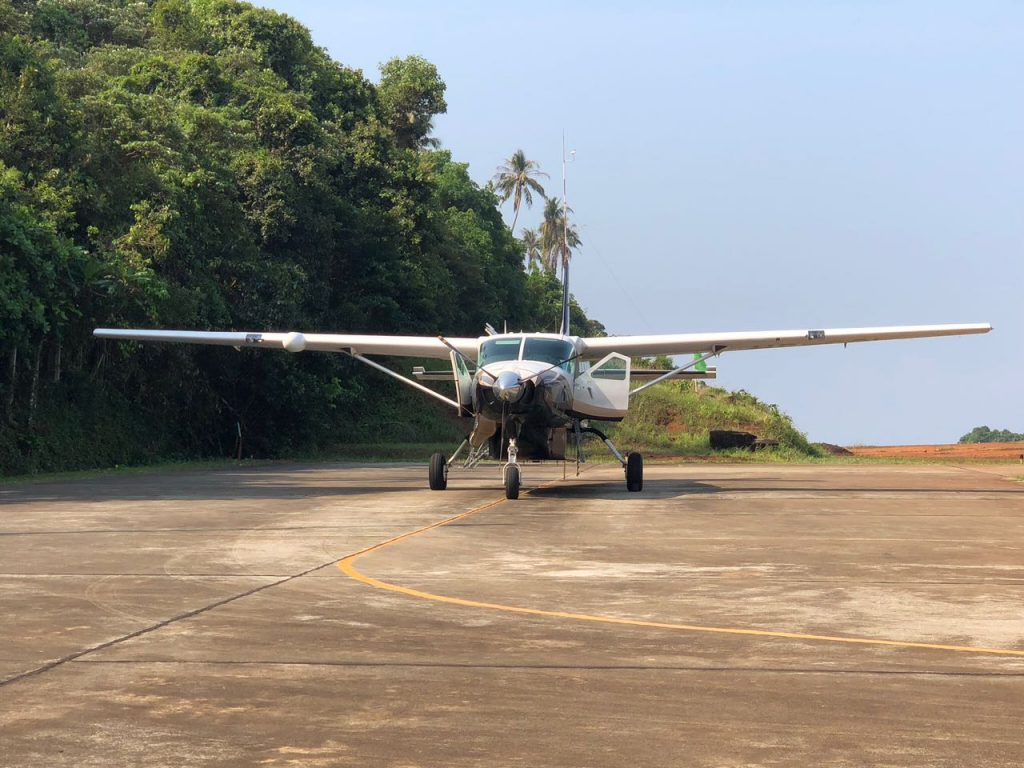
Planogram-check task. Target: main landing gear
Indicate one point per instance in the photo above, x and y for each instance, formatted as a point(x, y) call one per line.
point(438, 472)
point(511, 472)
point(632, 463)
point(634, 472)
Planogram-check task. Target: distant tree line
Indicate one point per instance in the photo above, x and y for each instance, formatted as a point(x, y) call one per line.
point(204, 165)
point(986, 435)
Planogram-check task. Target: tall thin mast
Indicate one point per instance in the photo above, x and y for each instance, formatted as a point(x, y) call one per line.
point(565, 245)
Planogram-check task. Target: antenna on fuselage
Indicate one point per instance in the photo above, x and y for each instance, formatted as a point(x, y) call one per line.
point(565, 242)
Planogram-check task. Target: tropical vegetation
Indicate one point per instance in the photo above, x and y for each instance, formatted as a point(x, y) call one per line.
point(517, 179)
point(202, 165)
point(558, 238)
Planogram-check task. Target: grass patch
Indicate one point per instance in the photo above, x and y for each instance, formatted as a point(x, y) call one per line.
point(675, 419)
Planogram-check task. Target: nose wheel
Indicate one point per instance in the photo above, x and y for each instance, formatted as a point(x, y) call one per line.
point(511, 473)
point(512, 480)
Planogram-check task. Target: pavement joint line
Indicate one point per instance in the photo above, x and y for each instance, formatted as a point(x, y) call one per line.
point(53, 664)
point(557, 667)
point(1004, 582)
point(347, 566)
point(152, 628)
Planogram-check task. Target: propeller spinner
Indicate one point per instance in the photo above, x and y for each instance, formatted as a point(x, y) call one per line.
point(508, 387)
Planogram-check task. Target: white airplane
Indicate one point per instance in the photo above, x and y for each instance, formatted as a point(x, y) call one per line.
point(529, 393)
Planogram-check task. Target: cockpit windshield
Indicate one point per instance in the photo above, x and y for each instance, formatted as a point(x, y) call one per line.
point(552, 351)
point(497, 350)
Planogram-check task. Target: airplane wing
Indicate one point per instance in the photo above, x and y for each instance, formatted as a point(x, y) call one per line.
point(688, 343)
point(402, 346)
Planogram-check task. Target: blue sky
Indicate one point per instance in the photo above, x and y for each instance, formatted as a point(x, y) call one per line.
point(752, 165)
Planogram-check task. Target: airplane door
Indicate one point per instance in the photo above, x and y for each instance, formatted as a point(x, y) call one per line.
point(463, 385)
point(602, 391)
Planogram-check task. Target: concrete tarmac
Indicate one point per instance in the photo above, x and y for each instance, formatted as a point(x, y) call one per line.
point(728, 615)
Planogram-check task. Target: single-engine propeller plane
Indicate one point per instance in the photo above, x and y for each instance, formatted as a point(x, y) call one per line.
point(531, 394)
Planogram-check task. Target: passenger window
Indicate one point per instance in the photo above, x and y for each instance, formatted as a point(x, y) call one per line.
point(614, 369)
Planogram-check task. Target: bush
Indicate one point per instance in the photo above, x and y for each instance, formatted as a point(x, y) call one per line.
point(677, 417)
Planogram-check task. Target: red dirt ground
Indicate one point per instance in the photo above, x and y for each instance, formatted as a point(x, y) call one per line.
point(973, 451)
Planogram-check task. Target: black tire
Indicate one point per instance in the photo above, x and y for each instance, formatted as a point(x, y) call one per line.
point(634, 472)
point(512, 481)
point(438, 472)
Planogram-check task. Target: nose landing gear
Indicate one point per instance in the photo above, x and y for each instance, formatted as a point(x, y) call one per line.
point(510, 472)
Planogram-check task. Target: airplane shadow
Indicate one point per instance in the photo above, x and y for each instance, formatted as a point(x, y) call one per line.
point(616, 489)
point(667, 488)
point(184, 488)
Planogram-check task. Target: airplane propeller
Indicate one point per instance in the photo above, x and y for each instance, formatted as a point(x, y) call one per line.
point(552, 367)
point(508, 387)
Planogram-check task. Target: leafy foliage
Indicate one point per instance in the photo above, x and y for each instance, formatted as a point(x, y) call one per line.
point(410, 94)
point(516, 179)
point(558, 237)
point(986, 435)
point(204, 165)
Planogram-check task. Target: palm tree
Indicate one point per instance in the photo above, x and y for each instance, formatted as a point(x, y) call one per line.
point(515, 179)
point(557, 239)
point(550, 234)
point(573, 242)
point(531, 240)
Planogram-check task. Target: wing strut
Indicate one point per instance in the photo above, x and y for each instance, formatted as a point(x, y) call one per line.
point(403, 379)
point(696, 361)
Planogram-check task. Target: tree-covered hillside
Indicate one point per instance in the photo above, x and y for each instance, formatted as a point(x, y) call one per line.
point(986, 435)
point(204, 165)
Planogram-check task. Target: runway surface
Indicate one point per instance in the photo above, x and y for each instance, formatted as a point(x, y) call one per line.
point(342, 615)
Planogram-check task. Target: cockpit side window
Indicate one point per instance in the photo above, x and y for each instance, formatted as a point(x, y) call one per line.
point(497, 350)
point(551, 351)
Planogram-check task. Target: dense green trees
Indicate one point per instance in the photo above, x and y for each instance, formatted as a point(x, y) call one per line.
point(986, 435)
point(204, 165)
point(410, 94)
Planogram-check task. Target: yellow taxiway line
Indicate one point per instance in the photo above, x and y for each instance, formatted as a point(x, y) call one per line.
point(347, 566)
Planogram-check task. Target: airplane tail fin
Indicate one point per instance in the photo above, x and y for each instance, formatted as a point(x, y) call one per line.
point(565, 299)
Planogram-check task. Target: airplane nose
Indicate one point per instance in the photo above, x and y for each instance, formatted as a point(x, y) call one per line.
point(508, 386)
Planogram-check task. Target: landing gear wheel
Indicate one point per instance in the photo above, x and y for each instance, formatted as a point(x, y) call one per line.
point(438, 472)
point(634, 472)
point(511, 481)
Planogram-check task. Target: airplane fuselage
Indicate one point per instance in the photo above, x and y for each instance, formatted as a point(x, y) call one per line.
point(532, 387)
